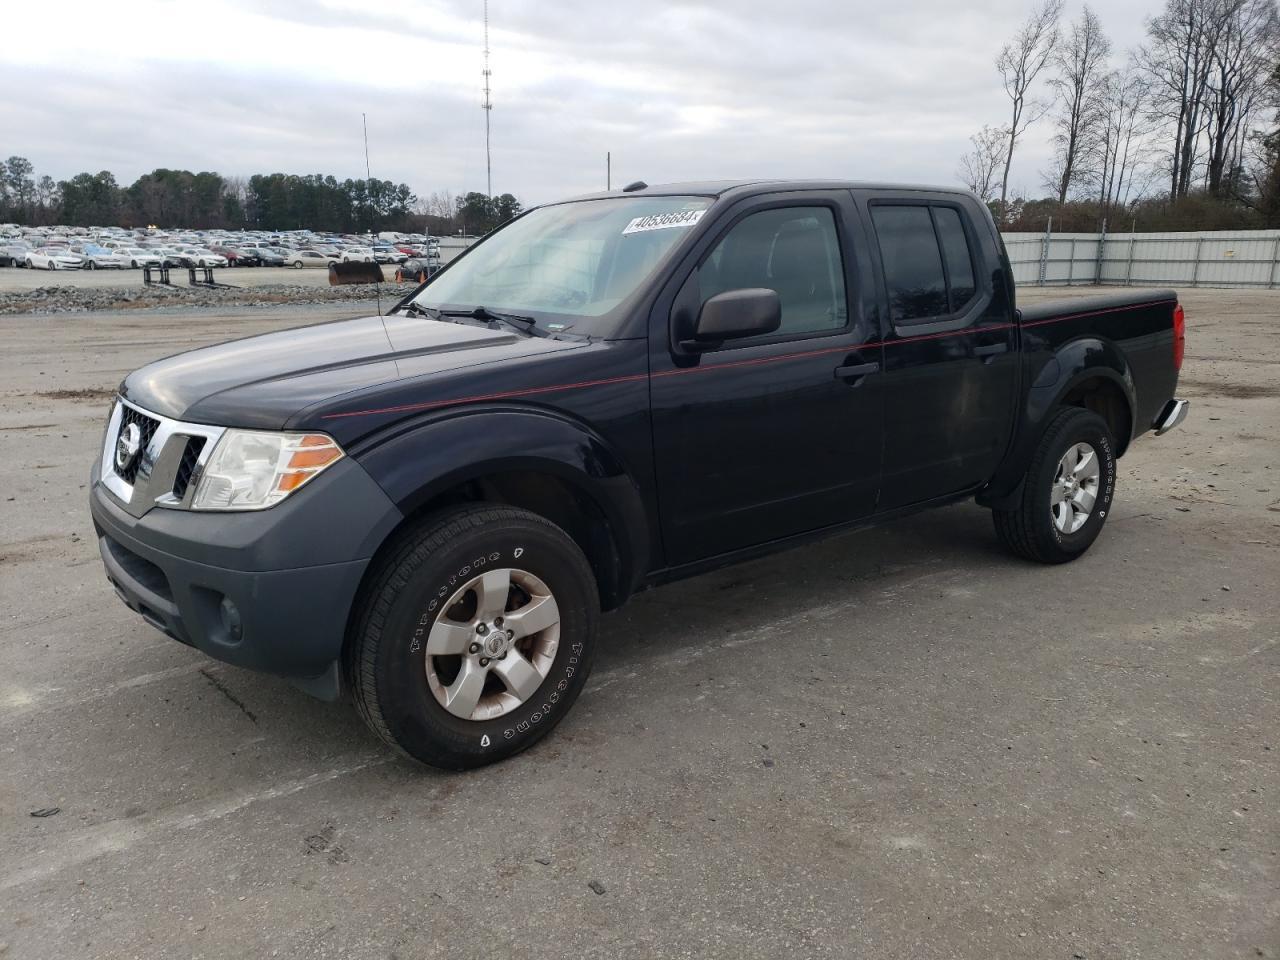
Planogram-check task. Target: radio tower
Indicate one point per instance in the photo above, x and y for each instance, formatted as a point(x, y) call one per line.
point(488, 104)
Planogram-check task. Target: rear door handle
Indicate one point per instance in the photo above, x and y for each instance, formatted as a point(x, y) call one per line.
point(855, 370)
point(991, 351)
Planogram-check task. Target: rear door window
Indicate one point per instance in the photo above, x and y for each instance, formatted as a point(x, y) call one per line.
point(956, 256)
point(928, 265)
point(912, 264)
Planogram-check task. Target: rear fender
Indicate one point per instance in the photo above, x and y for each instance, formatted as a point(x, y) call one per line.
point(1071, 366)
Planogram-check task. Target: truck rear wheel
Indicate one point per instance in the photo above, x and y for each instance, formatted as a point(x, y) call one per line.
point(1067, 491)
point(475, 636)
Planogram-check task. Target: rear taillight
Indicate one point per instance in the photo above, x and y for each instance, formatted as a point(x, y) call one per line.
point(1179, 336)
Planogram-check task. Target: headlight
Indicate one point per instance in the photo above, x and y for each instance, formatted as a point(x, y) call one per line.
point(253, 470)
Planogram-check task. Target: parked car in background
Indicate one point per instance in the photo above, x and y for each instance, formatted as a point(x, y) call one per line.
point(53, 258)
point(357, 255)
point(309, 258)
point(14, 255)
point(139, 258)
point(268, 258)
point(232, 256)
point(416, 270)
point(100, 258)
point(171, 256)
point(200, 257)
point(385, 253)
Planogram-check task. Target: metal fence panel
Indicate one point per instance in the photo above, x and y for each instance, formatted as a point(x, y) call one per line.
point(1207, 259)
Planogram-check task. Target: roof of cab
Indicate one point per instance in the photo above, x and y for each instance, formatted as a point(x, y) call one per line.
point(719, 188)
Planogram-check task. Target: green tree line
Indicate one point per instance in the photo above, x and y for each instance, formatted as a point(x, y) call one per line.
point(276, 201)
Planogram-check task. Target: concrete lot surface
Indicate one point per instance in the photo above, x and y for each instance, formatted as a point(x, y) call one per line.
point(900, 743)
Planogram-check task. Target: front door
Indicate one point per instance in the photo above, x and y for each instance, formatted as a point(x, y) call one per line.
point(765, 438)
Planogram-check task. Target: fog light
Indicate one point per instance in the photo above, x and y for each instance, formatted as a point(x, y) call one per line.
point(230, 614)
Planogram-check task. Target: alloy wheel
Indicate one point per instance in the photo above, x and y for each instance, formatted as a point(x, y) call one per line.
point(492, 644)
point(1075, 488)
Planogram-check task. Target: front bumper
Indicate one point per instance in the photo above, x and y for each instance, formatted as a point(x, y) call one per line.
point(268, 590)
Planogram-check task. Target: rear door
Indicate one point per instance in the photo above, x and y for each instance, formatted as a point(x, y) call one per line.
point(775, 435)
point(950, 354)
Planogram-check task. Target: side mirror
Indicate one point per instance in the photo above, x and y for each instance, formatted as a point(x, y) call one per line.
point(735, 314)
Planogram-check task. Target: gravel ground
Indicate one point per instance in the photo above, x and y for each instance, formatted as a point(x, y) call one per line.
point(896, 744)
point(44, 301)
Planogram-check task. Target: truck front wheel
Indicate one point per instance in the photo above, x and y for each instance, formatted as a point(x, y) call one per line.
point(1067, 491)
point(475, 636)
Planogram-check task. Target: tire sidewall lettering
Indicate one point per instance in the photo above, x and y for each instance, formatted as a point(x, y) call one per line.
point(1102, 443)
point(559, 689)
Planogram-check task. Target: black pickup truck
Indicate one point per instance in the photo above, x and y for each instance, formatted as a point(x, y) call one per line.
point(429, 510)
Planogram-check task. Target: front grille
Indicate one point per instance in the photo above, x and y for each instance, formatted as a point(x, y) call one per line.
point(147, 426)
point(190, 457)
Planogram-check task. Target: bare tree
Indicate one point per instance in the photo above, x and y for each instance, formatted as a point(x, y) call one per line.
point(1178, 58)
point(1242, 59)
point(1078, 87)
point(1121, 142)
point(980, 167)
point(441, 203)
point(1020, 61)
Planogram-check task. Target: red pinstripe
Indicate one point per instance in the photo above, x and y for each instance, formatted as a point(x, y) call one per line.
point(757, 361)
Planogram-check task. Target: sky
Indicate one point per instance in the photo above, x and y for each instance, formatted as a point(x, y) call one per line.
point(858, 89)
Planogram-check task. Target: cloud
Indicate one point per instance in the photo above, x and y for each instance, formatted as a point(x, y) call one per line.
point(674, 90)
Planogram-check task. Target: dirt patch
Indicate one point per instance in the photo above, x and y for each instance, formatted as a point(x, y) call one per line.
point(88, 395)
point(1235, 391)
point(31, 426)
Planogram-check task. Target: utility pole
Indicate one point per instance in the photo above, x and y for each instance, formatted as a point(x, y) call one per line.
point(487, 105)
point(608, 171)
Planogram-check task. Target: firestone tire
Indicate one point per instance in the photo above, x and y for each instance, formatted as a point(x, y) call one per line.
point(395, 683)
point(1035, 528)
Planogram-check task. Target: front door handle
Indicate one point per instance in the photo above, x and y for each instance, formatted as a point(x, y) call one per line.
point(856, 370)
point(990, 351)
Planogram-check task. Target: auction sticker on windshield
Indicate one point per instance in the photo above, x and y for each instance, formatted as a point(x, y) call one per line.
point(663, 221)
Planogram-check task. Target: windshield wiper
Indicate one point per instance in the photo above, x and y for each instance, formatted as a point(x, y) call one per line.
point(414, 307)
point(514, 320)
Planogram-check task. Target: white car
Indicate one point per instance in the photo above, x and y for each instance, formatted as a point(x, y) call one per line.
point(357, 255)
point(199, 257)
point(53, 258)
point(139, 258)
point(308, 258)
point(100, 258)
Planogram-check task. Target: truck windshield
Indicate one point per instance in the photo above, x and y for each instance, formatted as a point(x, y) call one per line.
point(567, 266)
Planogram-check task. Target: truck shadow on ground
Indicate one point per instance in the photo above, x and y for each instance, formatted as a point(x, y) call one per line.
point(780, 591)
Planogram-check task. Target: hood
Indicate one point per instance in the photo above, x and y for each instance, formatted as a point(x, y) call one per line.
point(262, 381)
